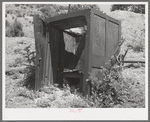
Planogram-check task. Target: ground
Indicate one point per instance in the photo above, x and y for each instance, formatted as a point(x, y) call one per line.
point(19, 96)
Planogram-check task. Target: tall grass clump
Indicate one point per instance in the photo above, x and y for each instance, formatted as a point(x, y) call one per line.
point(15, 30)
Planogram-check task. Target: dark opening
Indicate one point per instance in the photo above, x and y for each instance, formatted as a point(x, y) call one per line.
point(74, 45)
point(72, 81)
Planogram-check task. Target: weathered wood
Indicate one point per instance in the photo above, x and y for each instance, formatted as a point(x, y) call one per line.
point(88, 49)
point(40, 43)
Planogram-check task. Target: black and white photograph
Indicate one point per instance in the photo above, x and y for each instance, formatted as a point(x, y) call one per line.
point(80, 58)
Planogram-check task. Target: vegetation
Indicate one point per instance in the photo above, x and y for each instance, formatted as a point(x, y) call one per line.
point(15, 30)
point(129, 7)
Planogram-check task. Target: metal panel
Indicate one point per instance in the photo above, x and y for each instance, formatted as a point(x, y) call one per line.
point(40, 42)
point(99, 36)
point(113, 38)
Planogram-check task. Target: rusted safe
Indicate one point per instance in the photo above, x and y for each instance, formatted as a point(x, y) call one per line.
point(61, 53)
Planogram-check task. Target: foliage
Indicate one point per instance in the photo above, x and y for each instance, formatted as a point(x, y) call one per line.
point(15, 30)
point(138, 42)
point(26, 93)
point(129, 7)
point(7, 24)
point(107, 91)
point(19, 14)
point(75, 7)
point(30, 69)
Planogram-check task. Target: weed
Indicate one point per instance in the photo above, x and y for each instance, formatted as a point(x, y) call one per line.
point(30, 69)
point(17, 51)
point(44, 103)
point(17, 5)
point(13, 17)
point(137, 42)
point(31, 6)
point(26, 93)
point(18, 62)
point(19, 14)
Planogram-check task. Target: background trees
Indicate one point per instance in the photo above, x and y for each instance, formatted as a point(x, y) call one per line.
point(129, 7)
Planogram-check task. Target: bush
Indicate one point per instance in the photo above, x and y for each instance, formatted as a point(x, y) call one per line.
point(15, 30)
point(7, 24)
point(16, 63)
point(9, 11)
point(106, 92)
point(17, 5)
point(138, 42)
point(129, 7)
point(30, 70)
point(19, 14)
point(31, 6)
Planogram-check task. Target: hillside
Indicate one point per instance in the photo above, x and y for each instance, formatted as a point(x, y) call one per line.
point(19, 96)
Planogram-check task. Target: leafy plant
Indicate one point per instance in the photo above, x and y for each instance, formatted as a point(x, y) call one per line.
point(30, 69)
point(104, 92)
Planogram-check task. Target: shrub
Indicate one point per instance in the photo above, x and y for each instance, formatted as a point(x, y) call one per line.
point(26, 93)
point(17, 5)
point(105, 92)
point(19, 14)
point(7, 24)
point(18, 62)
point(9, 11)
point(30, 70)
point(15, 30)
point(29, 77)
point(31, 6)
point(138, 41)
point(44, 103)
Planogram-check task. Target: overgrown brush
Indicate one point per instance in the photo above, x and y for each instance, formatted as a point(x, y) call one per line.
point(15, 30)
point(105, 92)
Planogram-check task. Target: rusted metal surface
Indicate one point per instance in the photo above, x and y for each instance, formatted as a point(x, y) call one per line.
point(99, 36)
point(113, 38)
